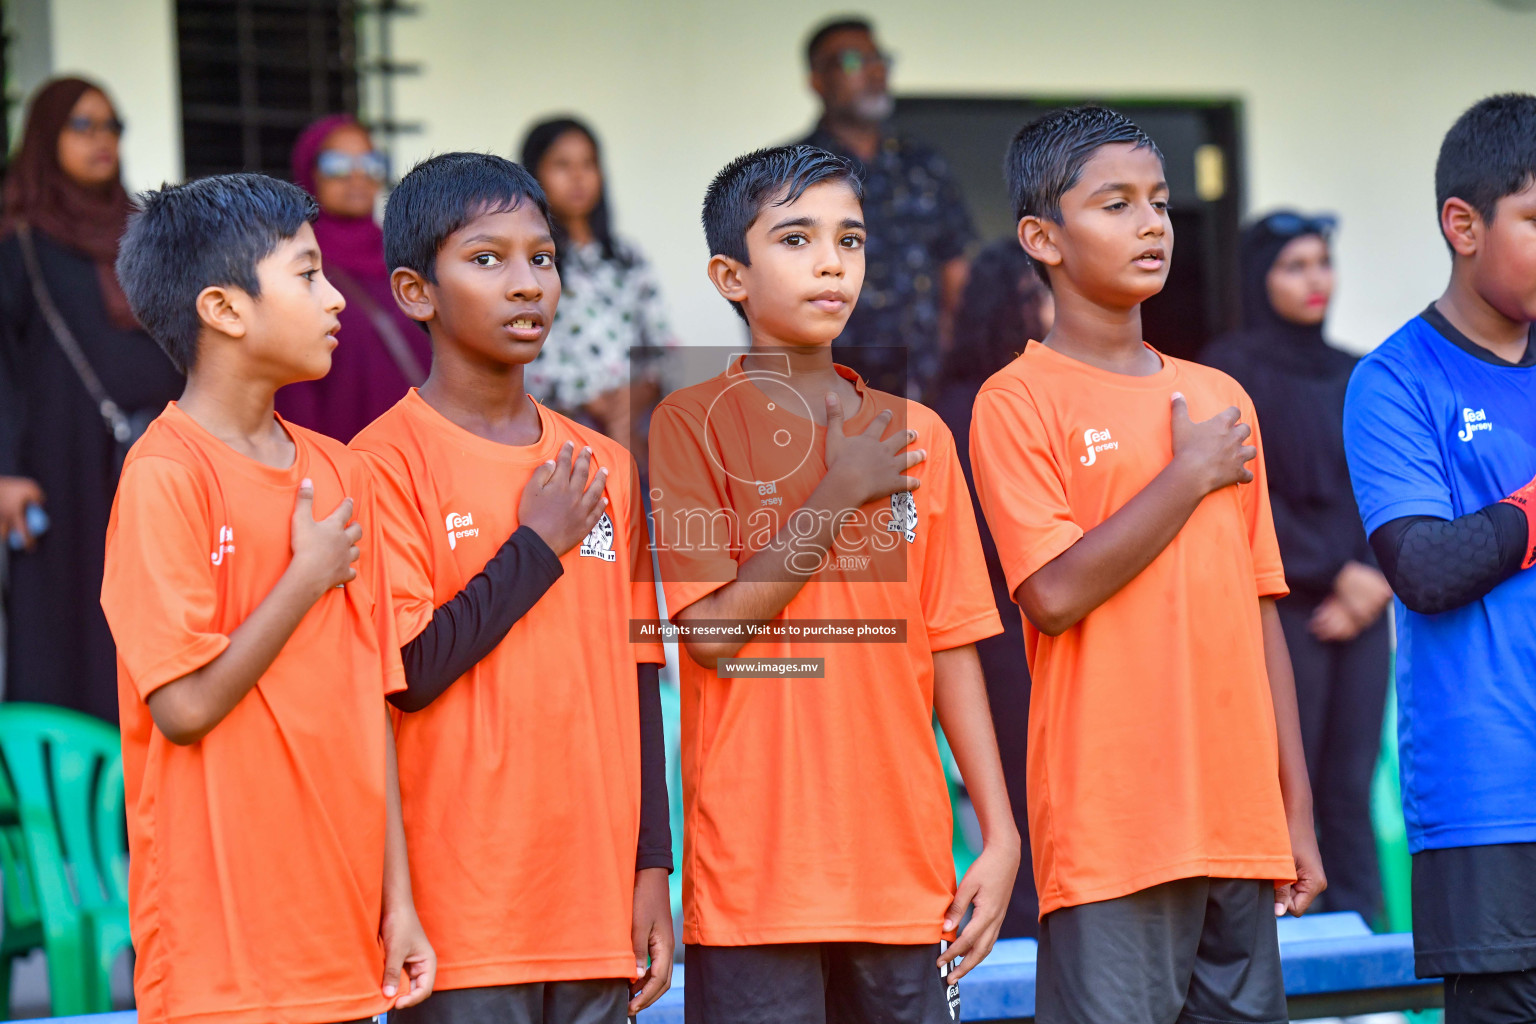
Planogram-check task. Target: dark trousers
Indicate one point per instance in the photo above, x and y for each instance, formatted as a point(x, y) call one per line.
point(1341, 692)
point(600, 1001)
point(818, 983)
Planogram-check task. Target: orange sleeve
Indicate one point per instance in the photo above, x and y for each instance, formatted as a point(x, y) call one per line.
point(956, 594)
point(404, 543)
point(696, 528)
point(377, 564)
point(642, 576)
point(1268, 572)
point(1023, 493)
point(158, 587)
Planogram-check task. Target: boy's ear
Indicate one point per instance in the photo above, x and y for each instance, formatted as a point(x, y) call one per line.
point(220, 308)
point(411, 294)
point(725, 274)
point(1462, 226)
point(1039, 241)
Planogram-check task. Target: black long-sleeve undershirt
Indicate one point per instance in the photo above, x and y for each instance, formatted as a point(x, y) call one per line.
point(467, 627)
point(655, 847)
point(1436, 565)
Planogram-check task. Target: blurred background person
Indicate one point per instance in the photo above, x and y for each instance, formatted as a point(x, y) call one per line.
point(594, 365)
point(64, 322)
point(1333, 617)
point(1004, 304)
point(382, 352)
point(918, 226)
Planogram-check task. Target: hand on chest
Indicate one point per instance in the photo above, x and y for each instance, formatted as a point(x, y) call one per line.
point(250, 541)
point(471, 515)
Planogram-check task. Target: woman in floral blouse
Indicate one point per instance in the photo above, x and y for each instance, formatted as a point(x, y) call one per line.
point(594, 364)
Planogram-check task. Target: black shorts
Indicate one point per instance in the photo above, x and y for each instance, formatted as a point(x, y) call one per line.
point(1474, 924)
point(1192, 950)
point(603, 1001)
point(817, 983)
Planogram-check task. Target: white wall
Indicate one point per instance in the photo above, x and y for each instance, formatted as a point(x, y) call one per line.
point(1346, 101)
point(129, 46)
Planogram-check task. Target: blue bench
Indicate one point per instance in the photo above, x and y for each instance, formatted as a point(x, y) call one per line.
point(1334, 966)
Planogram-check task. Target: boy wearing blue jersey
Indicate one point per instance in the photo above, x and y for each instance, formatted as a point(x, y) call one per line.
point(1440, 430)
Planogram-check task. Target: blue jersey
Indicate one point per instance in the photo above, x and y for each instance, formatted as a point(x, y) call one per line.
point(1435, 426)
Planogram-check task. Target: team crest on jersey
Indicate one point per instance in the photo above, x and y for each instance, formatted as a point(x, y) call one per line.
point(904, 516)
point(599, 543)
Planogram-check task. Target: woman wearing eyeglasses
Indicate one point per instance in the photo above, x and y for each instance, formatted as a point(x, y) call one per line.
point(382, 353)
point(1333, 617)
point(68, 343)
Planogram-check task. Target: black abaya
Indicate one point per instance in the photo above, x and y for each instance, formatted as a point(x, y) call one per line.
point(1297, 383)
point(59, 649)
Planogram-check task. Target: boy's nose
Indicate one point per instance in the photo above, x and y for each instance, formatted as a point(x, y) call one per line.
point(525, 286)
point(830, 261)
point(336, 302)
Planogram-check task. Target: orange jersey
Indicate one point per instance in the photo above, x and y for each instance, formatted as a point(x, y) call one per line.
point(1152, 748)
point(257, 853)
point(521, 783)
point(816, 809)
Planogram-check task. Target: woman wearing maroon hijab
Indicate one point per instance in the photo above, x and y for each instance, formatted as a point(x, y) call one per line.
point(65, 208)
point(382, 352)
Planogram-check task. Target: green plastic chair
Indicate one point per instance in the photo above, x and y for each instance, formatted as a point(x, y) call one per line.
point(65, 774)
point(21, 923)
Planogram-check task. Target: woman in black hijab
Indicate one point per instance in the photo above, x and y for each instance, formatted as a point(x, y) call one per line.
point(1333, 617)
point(64, 319)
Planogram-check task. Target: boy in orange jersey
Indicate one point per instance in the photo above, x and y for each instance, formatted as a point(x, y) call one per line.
point(532, 763)
point(1169, 808)
point(256, 643)
point(819, 879)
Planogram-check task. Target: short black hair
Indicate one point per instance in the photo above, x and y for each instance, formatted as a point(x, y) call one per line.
point(841, 23)
point(1489, 153)
point(777, 177)
point(1047, 156)
point(209, 232)
point(445, 192)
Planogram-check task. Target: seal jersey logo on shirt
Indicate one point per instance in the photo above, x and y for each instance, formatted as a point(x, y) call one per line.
point(460, 525)
point(226, 545)
point(1096, 441)
point(903, 516)
point(599, 543)
point(1473, 421)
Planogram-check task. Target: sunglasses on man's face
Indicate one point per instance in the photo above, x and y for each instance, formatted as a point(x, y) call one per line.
point(851, 61)
point(1290, 225)
point(333, 163)
point(90, 126)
